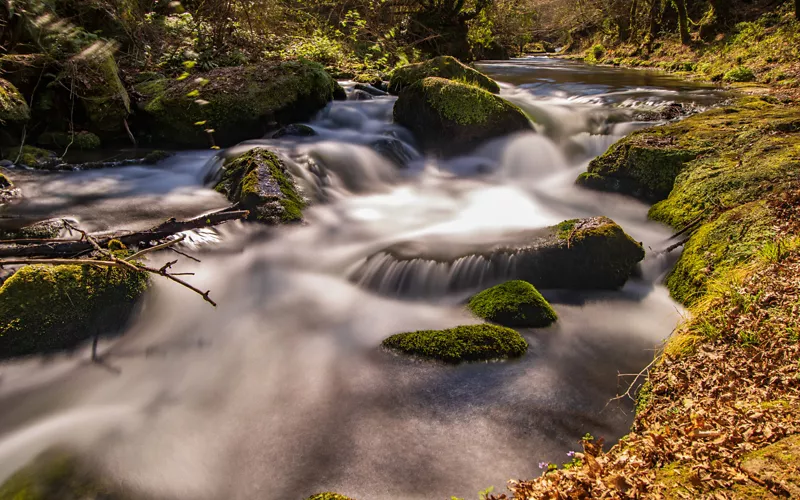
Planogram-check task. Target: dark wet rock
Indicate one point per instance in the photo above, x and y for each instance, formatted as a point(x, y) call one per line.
point(449, 118)
point(360, 95)
point(513, 303)
point(295, 130)
point(80, 140)
point(8, 192)
point(47, 229)
point(593, 253)
point(30, 156)
point(463, 343)
point(49, 308)
point(369, 89)
point(394, 150)
point(445, 67)
point(339, 93)
point(260, 182)
point(237, 103)
point(156, 156)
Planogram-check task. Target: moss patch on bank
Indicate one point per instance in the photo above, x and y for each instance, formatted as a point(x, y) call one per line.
point(329, 496)
point(47, 308)
point(446, 67)
point(514, 303)
point(463, 343)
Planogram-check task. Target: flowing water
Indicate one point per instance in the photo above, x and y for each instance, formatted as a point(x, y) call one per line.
point(283, 390)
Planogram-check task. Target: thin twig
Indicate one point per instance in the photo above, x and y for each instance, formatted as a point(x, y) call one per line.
point(156, 248)
point(185, 254)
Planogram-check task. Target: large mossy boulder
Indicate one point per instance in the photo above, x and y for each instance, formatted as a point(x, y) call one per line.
point(47, 308)
point(578, 254)
point(237, 103)
point(514, 303)
point(463, 343)
point(449, 117)
point(13, 108)
point(102, 93)
point(446, 67)
point(63, 475)
point(260, 182)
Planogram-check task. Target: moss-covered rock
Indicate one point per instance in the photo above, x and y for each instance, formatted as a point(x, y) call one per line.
point(579, 254)
point(101, 92)
point(259, 181)
point(448, 117)
point(47, 229)
point(237, 103)
point(463, 343)
point(446, 67)
point(329, 496)
point(514, 303)
point(79, 140)
point(13, 107)
point(30, 156)
point(47, 308)
point(62, 475)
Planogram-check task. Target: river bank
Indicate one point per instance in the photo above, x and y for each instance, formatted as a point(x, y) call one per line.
point(718, 412)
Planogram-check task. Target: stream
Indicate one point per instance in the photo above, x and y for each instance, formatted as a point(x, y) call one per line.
point(283, 391)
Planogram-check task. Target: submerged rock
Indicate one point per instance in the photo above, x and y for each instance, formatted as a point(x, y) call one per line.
point(449, 117)
point(48, 308)
point(394, 150)
point(237, 103)
point(446, 67)
point(259, 181)
point(593, 253)
point(295, 130)
point(369, 89)
point(514, 303)
point(360, 95)
point(13, 107)
point(62, 475)
point(463, 343)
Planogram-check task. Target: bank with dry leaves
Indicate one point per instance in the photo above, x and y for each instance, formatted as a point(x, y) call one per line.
point(718, 415)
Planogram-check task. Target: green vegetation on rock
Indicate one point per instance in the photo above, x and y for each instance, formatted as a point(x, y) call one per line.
point(514, 303)
point(260, 182)
point(463, 343)
point(235, 102)
point(80, 140)
point(450, 117)
point(102, 92)
point(326, 496)
point(13, 107)
point(31, 156)
point(445, 67)
point(47, 308)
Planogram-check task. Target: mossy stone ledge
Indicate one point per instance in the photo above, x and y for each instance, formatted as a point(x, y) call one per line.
point(238, 103)
point(514, 303)
point(31, 156)
point(260, 182)
point(13, 108)
point(449, 117)
point(446, 67)
point(49, 308)
point(463, 343)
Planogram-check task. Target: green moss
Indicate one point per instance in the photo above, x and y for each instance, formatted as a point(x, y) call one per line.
point(595, 54)
point(80, 140)
point(235, 102)
point(717, 247)
point(463, 104)
point(13, 107)
point(5, 182)
point(46, 308)
point(643, 397)
point(328, 496)
point(31, 156)
point(261, 183)
point(463, 343)
point(514, 303)
point(156, 156)
point(739, 74)
point(102, 93)
point(445, 67)
point(58, 474)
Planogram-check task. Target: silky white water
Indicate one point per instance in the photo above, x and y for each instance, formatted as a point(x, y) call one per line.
point(283, 390)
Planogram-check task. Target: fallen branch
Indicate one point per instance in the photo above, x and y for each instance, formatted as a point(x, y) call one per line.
point(69, 248)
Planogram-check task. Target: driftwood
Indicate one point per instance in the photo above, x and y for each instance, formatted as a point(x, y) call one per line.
point(72, 247)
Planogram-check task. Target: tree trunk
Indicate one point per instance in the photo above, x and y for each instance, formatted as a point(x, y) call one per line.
point(797, 9)
point(655, 24)
point(632, 21)
point(722, 11)
point(683, 21)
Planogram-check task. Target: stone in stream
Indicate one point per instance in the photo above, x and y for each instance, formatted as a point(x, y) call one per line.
point(393, 149)
point(446, 67)
point(294, 130)
point(463, 343)
point(260, 182)
point(8, 192)
point(49, 308)
point(513, 303)
point(579, 254)
point(369, 89)
point(238, 103)
point(449, 118)
point(30, 156)
point(360, 95)
point(59, 474)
